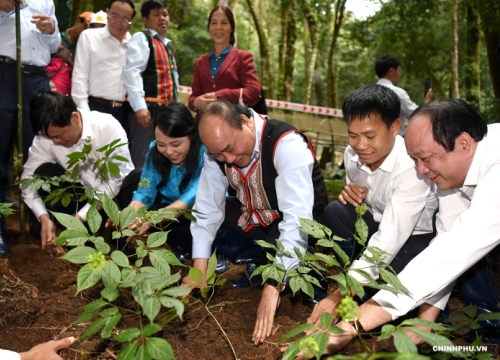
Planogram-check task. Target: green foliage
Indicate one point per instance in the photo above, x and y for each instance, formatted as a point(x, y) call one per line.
point(5, 209)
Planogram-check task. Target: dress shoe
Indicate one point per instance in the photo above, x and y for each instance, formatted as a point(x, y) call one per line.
point(4, 245)
point(221, 264)
point(247, 280)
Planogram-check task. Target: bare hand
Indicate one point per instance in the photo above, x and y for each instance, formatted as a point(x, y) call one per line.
point(143, 118)
point(428, 97)
point(269, 302)
point(48, 350)
point(204, 99)
point(201, 264)
point(43, 23)
point(48, 232)
point(8, 5)
point(328, 305)
point(353, 194)
point(139, 227)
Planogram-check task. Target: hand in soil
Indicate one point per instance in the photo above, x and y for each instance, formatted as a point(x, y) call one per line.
point(269, 302)
point(202, 265)
point(328, 305)
point(48, 231)
point(48, 350)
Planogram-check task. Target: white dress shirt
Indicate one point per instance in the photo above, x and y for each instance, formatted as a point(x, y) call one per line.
point(400, 199)
point(468, 226)
point(137, 60)
point(9, 355)
point(98, 71)
point(36, 46)
point(407, 106)
point(294, 189)
point(102, 129)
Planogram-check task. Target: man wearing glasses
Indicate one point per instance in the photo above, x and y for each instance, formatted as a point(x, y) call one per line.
point(99, 62)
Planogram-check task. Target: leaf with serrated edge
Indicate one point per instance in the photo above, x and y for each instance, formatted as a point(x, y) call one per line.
point(387, 331)
point(79, 255)
point(128, 352)
point(87, 278)
point(110, 325)
point(109, 294)
point(169, 302)
point(93, 328)
point(127, 335)
point(69, 222)
point(151, 329)
point(159, 348)
point(157, 239)
point(120, 258)
point(110, 208)
point(298, 330)
point(94, 219)
point(403, 343)
point(151, 307)
point(90, 310)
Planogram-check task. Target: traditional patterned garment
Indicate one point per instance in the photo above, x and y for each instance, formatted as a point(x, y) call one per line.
point(159, 76)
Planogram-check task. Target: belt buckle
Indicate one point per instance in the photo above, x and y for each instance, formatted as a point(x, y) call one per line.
point(116, 104)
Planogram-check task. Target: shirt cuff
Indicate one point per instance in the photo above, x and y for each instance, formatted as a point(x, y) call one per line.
point(39, 210)
point(83, 212)
point(137, 104)
point(202, 250)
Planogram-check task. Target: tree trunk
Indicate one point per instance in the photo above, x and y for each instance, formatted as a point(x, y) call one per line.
point(266, 77)
point(287, 49)
point(311, 20)
point(489, 11)
point(472, 74)
point(454, 88)
point(332, 69)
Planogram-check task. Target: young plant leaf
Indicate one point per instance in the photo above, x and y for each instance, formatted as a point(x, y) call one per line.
point(111, 209)
point(314, 228)
point(431, 338)
point(114, 170)
point(128, 352)
point(94, 219)
point(120, 258)
point(298, 330)
point(403, 343)
point(87, 278)
point(151, 329)
point(93, 328)
point(79, 255)
point(159, 261)
point(127, 335)
point(90, 310)
point(151, 307)
point(157, 239)
point(69, 222)
point(159, 349)
point(387, 331)
point(169, 302)
point(111, 322)
point(142, 353)
point(109, 294)
point(195, 275)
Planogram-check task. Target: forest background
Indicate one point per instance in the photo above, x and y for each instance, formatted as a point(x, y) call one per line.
point(316, 52)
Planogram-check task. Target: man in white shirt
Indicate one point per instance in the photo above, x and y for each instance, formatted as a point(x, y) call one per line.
point(150, 76)
point(388, 69)
point(379, 173)
point(45, 351)
point(453, 147)
point(277, 180)
point(62, 129)
point(99, 61)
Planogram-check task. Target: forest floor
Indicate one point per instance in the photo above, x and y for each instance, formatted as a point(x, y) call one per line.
point(38, 303)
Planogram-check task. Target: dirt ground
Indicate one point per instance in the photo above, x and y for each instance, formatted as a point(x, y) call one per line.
point(38, 303)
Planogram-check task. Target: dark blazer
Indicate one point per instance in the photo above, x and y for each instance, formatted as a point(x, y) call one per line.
point(236, 72)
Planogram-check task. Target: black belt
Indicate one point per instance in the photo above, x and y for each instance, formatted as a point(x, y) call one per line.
point(107, 102)
point(27, 68)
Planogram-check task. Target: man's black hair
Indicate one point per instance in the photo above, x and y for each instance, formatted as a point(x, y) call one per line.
point(449, 118)
point(124, 1)
point(385, 63)
point(152, 5)
point(371, 100)
point(229, 112)
point(50, 108)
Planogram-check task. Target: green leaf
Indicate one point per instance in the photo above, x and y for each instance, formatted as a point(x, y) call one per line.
point(159, 348)
point(109, 312)
point(387, 331)
point(120, 258)
point(327, 259)
point(314, 228)
point(111, 322)
point(127, 233)
point(128, 274)
point(128, 352)
point(325, 320)
point(322, 341)
point(425, 323)
point(79, 255)
point(69, 221)
point(157, 239)
point(355, 286)
point(292, 350)
point(94, 219)
point(159, 261)
point(432, 339)
point(114, 170)
point(470, 311)
point(361, 231)
point(265, 244)
point(151, 329)
point(66, 199)
point(393, 280)
point(101, 245)
point(212, 265)
point(176, 291)
point(169, 302)
point(120, 158)
point(116, 234)
point(151, 307)
point(341, 282)
point(298, 330)
point(111, 209)
point(111, 274)
point(90, 310)
point(127, 335)
point(87, 278)
point(488, 316)
point(143, 354)
point(306, 287)
point(93, 328)
point(127, 217)
point(403, 343)
point(195, 275)
point(109, 294)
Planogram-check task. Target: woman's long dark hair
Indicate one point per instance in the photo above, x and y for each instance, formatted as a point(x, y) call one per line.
point(175, 120)
point(230, 18)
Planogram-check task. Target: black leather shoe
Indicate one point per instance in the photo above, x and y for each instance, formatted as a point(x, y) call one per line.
point(221, 264)
point(4, 245)
point(246, 280)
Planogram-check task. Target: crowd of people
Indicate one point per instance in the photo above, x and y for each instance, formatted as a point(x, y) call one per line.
point(248, 176)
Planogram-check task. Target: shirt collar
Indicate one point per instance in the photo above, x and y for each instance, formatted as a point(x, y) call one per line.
point(384, 81)
point(223, 52)
point(154, 33)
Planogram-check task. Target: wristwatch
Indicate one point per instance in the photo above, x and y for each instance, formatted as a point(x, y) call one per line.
point(279, 286)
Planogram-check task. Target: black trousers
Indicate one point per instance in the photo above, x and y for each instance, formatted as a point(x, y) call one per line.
point(341, 219)
point(120, 113)
point(31, 85)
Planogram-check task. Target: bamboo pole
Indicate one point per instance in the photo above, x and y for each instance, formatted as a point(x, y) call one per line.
point(20, 114)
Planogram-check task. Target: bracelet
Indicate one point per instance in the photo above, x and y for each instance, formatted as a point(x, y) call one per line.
point(279, 286)
point(357, 325)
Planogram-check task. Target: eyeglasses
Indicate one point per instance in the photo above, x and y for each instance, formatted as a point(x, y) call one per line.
point(124, 20)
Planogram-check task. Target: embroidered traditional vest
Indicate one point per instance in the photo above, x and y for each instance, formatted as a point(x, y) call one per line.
point(159, 75)
point(257, 190)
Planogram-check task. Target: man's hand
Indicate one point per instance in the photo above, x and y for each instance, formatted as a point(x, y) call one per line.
point(44, 23)
point(328, 305)
point(204, 99)
point(8, 5)
point(139, 227)
point(143, 118)
point(201, 264)
point(353, 194)
point(48, 350)
point(48, 232)
point(265, 314)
